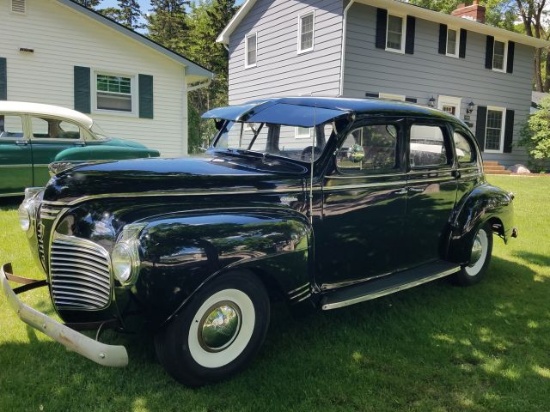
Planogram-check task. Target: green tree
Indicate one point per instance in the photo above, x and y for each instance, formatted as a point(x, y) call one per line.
point(130, 13)
point(166, 23)
point(205, 22)
point(91, 4)
point(535, 135)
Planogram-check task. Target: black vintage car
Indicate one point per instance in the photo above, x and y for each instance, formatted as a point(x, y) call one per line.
point(319, 202)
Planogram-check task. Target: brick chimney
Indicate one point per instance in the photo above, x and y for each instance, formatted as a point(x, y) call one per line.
point(475, 12)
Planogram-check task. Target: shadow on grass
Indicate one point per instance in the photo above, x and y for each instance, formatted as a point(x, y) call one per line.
point(437, 347)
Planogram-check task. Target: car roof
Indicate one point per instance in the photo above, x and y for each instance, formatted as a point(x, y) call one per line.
point(309, 111)
point(13, 108)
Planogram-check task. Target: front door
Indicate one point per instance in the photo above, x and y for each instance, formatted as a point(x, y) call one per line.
point(362, 214)
point(15, 156)
point(450, 105)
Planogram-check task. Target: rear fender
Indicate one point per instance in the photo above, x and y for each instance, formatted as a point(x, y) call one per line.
point(182, 252)
point(486, 203)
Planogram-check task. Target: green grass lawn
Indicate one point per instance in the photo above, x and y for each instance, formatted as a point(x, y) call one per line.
point(433, 348)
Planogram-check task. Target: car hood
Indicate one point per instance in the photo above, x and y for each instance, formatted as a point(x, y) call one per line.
point(174, 177)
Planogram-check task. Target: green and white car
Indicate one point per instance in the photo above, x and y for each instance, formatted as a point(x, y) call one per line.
point(33, 135)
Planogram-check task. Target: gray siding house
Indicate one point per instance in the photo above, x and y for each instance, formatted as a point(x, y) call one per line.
point(387, 49)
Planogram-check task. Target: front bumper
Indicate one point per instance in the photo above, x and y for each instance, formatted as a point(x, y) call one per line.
point(106, 355)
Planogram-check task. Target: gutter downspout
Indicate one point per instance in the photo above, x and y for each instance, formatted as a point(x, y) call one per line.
point(343, 57)
point(198, 86)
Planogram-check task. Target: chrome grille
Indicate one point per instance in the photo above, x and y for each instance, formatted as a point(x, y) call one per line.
point(47, 212)
point(79, 273)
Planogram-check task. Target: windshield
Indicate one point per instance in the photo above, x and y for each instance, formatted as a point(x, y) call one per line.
point(297, 143)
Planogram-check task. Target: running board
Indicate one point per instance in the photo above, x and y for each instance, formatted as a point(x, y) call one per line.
point(388, 285)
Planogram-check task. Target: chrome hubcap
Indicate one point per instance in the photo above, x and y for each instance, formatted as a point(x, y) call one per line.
point(477, 250)
point(219, 326)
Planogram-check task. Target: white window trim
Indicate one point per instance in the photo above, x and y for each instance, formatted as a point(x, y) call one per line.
point(502, 130)
point(299, 45)
point(505, 58)
point(134, 88)
point(391, 96)
point(246, 64)
point(403, 33)
point(457, 44)
point(450, 100)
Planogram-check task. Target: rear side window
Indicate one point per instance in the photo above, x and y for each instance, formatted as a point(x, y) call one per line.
point(464, 149)
point(427, 146)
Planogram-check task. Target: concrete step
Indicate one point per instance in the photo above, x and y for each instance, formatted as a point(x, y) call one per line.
point(492, 167)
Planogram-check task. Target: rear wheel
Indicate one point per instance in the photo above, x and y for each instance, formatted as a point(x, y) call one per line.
point(218, 333)
point(480, 257)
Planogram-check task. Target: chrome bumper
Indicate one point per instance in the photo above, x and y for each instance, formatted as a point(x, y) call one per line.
point(106, 355)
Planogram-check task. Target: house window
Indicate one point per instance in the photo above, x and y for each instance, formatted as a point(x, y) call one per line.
point(499, 55)
point(453, 41)
point(18, 6)
point(251, 51)
point(302, 132)
point(306, 32)
point(113, 92)
point(494, 129)
point(395, 33)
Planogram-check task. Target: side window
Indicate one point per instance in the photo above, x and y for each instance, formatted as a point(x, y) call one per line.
point(42, 129)
point(427, 146)
point(464, 149)
point(369, 149)
point(11, 127)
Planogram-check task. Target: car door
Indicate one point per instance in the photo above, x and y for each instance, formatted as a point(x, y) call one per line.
point(15, 156)
point(49, 137)
point(363, 207)
point(431, 187)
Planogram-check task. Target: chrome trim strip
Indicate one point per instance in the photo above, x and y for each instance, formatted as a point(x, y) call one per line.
point(15, 165)
point(389, 291)
point(172, 194)
point(305, 285)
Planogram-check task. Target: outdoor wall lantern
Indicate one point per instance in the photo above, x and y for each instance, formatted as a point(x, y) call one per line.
point(431, 102)
point(470, 107)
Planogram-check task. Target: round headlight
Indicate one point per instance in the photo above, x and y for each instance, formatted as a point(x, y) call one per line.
point(24, 217)
point(122, 260)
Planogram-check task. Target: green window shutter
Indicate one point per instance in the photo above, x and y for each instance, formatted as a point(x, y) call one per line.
point(480, 126)
point(145, 96)
point(82, 101)
point(3, 79)
point(508, 131)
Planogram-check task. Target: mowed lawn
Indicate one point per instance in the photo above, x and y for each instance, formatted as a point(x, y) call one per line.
point(433, 348)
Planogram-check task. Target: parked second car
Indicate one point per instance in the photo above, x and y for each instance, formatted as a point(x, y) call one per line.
point(33, 135)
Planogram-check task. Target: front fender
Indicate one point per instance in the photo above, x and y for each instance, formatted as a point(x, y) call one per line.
point(486, 203)
point(180, 252)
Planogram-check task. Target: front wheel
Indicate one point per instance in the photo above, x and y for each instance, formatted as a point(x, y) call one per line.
point(480, 256)
point(218, 333)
